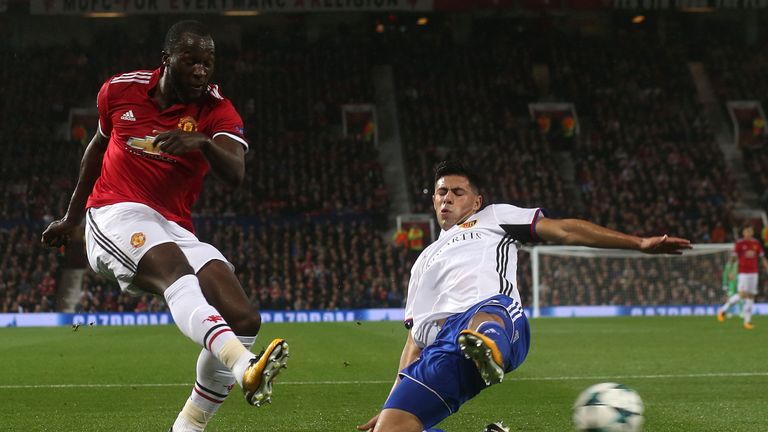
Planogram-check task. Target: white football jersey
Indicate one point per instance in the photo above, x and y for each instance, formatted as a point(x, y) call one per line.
point(468, 263)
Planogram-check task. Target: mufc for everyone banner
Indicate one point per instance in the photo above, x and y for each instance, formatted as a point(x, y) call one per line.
point(81, 7)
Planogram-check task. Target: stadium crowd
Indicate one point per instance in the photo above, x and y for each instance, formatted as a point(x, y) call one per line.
point(737, 75)
point(28, 271)
point(647, 160)
point(471, 102)
point(306, 229)
point(569, 280)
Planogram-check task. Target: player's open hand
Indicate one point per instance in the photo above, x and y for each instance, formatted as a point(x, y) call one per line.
point(58, 232)
point(177, 142)
point(369, 425)
point(664, 245)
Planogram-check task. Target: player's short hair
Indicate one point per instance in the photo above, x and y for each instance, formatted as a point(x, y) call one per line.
point(456, 167)
point(173, 36)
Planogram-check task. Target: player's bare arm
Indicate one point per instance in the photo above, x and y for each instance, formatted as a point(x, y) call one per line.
point(225, 155)
point(410, 354)
point(583, 233)
point(58, 232)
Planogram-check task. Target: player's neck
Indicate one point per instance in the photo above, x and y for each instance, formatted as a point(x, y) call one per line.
point(465, 218)
point(165, 96)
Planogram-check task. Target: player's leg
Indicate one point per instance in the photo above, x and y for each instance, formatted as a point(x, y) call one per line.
point(740, 308)
point(164, 269)
point(732, 300)
point(749, 292)
point(485, 342)
point(214, 381)
point(212, 385)
point(496, 338)
point(429, 391)
point(749, 304)
point(222, 289)
point(392, 419)
point(134, 244)
point(732, 289)
point(435, 386)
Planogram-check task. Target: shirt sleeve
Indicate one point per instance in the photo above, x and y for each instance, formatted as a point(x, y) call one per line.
point(517, 222)
point(102, 104)
point(226, 121)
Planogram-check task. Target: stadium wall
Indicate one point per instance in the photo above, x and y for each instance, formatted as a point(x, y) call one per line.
point(357, 315)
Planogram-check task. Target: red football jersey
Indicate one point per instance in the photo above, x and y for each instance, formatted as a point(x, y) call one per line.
point(133, 170)
point(748, 251)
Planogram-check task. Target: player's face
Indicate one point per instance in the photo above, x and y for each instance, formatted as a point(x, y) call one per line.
point(454, 200)
point(190, 66)
point(748, 232)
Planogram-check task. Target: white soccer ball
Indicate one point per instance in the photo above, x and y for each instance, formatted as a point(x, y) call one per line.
point(608, 407)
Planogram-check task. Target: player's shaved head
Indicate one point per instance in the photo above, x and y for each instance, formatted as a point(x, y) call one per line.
point(176, 32)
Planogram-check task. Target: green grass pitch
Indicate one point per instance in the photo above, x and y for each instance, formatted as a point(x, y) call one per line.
point(693, 373)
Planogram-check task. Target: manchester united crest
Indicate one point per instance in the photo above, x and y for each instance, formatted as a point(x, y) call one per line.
point(188, 124)
point(138, 239)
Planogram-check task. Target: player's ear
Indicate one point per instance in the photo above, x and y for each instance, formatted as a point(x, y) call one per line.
point(478, 203)
point(166, 58)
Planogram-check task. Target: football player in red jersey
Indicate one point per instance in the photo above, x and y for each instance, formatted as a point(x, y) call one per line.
point(748, 251)
point(160, 132)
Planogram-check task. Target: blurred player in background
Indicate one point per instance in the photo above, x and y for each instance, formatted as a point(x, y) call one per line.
point(160, 132)
point(748, 251)
point(466, 324)
point(731, 283)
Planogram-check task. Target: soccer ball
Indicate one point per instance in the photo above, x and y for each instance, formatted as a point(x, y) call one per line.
point(608, 407)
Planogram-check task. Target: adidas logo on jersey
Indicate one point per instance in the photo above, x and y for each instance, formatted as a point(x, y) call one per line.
point(128, 116)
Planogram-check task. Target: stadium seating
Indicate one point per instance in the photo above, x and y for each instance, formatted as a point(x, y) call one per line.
point(28, 271)
point(305, 231)
point(737, 74)
point(647, 160)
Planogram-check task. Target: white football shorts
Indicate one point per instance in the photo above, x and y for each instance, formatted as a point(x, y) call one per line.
point(748, 283)
point(118, 235)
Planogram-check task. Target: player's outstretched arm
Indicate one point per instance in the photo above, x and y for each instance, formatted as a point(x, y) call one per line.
point(410, 353)
point(582, 233)
point(58, 231)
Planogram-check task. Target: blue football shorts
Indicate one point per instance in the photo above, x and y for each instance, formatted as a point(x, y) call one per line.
point(442, 379)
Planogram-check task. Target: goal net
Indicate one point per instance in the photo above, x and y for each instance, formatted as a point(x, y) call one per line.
point(557, 276)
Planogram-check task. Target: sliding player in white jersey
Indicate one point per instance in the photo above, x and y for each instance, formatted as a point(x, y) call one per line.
point(467, 327)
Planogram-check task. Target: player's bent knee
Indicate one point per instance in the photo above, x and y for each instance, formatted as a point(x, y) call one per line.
point(482, 316)
point(246, 325)
point(395, 420)
point(244, 318)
